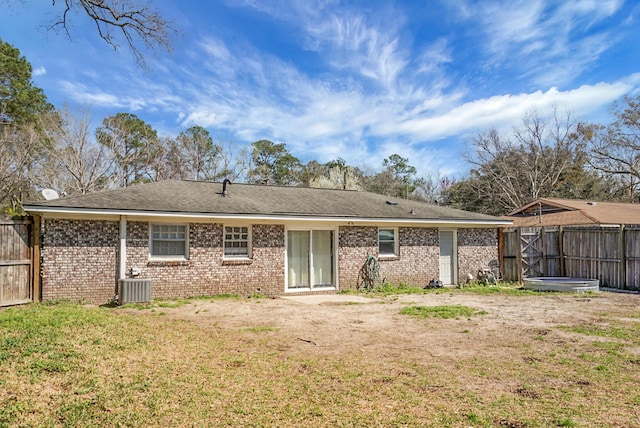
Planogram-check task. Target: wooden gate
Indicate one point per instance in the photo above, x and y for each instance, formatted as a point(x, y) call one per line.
point(16, 262)
point(531, 251)
point(532, 254)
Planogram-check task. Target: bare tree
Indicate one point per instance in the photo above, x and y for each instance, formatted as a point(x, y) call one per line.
point(233, 162)
point(533, 162)
point(431, 188)
point(553, 146)
point(216, 163)
point(19, 148)
point(131, 21)
point(615, 149)
point(75, 162)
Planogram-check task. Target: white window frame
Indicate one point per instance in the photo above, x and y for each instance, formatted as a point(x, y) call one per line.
point(249, 242)
point(396, 243)
point(184, 256)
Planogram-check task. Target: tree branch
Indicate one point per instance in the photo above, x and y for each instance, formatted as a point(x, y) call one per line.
point(134, 21)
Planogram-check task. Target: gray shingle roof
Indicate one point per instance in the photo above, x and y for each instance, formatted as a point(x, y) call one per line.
point(193, 197)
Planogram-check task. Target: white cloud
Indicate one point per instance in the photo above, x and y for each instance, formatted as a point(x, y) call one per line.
point(514, 23)
point(139, 95)
point(39, 71)
point(320, 120)
point(81, 94)
point(507, 110)
point(434, 56)
point(554, 43)
point(356, 42)
point(590, 10)
point(567, 67)
point(361, 41)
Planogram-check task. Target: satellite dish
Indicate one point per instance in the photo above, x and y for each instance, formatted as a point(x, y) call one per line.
point(50, 194)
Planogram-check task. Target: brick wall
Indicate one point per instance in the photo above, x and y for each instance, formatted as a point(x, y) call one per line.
point(419, 258)
point(354, 244)
point(206, 273)
point(419, 254)
point(417, 263)
point(476, 248)
point(79, 260)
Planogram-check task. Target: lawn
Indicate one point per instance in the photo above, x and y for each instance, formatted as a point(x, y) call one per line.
point(455, 358)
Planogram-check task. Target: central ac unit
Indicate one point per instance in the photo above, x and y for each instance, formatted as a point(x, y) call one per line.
point(134, 290)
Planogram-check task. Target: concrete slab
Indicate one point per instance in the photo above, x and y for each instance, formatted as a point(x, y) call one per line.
point(328, 299)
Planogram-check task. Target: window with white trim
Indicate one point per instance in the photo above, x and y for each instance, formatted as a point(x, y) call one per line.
point(237, 240)
point(387, 242)
point(168, 241)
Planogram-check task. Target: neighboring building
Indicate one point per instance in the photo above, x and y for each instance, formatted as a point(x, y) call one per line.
point(574, 212)
point(192, 239)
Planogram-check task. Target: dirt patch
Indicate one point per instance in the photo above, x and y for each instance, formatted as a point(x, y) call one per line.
point(343, 324)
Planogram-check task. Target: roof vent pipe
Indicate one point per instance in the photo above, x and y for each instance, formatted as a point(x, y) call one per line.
point(224, 186)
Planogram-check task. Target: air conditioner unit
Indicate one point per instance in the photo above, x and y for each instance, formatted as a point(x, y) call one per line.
point(134, 290)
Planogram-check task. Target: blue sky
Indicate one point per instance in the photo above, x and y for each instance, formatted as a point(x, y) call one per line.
point(356, 80)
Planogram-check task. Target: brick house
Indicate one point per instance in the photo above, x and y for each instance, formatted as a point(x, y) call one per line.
point(193, 239)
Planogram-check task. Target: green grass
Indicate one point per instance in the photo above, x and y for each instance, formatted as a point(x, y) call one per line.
point(386, 289)
point(157, 304)
point(176, 303)
point(445, 312)
point(508, 288)
point(64, 364)
point(609, 329)
point(220, 297)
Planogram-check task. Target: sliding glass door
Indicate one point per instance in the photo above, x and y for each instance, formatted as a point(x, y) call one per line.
point(298, 251)
point(310, 259)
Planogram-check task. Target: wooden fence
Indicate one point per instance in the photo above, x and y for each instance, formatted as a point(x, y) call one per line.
point(610, 254)
point(16, 262)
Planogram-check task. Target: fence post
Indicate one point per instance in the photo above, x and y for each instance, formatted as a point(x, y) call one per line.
point(623, 256)
point(35, 259)
point(519, 253)
point(561, 250)
point(501, 249)
point(543, 240)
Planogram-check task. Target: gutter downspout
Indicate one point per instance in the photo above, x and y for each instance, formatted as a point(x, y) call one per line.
point(123, 247)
